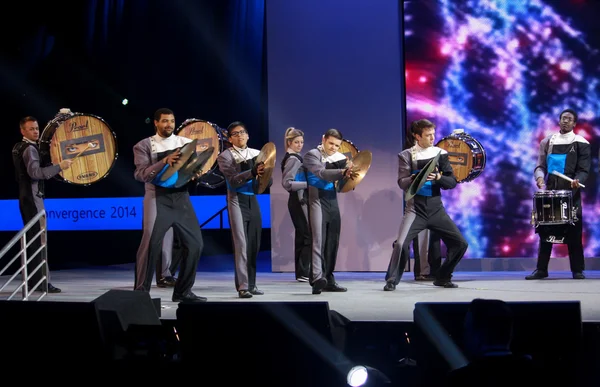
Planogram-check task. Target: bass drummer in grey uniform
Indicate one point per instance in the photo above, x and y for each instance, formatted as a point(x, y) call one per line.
point(240, 169)
point(164, 207)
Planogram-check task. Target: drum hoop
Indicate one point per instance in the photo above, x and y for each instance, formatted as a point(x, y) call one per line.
point(62, 118)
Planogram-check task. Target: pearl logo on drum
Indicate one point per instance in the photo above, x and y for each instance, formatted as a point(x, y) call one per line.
point(76, 128)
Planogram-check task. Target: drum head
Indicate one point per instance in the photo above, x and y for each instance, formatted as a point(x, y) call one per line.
point(85, 138)
point(466, 156)
point(207, 135)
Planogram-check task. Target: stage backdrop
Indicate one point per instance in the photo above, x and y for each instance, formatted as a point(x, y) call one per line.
point(338, 64)
point(503, 71)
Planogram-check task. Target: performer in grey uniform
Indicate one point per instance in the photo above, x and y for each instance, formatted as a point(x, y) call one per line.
point(425, 210)
point(324, 166)
point(293, 180)
point(240, 169)
point(165, 207)
point(30, 176)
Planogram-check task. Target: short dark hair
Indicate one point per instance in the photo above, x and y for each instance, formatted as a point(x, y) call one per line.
point(568, 110)
point(25, 120)
point(162, 111)
point(492, 320)
point(417, 127)
point(233, 125)
point(334, 133)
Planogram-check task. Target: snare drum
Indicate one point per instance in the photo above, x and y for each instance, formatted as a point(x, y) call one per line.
point(466, 155)
point(84, 137)
point(207, 134)
point(553, 207)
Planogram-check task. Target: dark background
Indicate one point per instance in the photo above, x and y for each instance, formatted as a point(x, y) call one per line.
point(202, 59)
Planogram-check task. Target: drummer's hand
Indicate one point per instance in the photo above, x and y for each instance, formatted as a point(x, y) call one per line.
point(432, 176)
point(197, 175)
point(412, 177)
point(540, 182)
point(65, 164)
point(258, 169)
point(350, 173)
point(575, 184)
point(172, 158)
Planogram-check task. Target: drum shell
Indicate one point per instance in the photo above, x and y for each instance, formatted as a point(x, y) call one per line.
point(86, 135)
point(348, 149)
point(465, 154)
point(553, 207)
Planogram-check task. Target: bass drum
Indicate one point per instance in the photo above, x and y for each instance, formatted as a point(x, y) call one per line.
point(207, 134)
point(466, 155)
point(83, 137)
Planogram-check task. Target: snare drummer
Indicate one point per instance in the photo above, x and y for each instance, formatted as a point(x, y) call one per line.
point(569, 154)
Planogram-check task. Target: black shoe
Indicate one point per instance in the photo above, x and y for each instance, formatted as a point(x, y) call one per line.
point(166, 282)
point(187, 298)
point(53, 289)
point(389, 287)
point(319, 285)
point(578, 275)
point(334, 288)
point(244, 294)
point(256, 292)
point(445, 284)
point(425, 278)
point(537, 274)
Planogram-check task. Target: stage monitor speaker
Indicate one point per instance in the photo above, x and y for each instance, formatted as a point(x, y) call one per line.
point(129, 307)
point(44, 334)
point(548, 331)
point(277, 343)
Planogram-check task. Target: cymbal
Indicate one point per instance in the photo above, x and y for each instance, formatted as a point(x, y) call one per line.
point(421, 178)
point(194, 165)
point(186, 152)
point(360, 164)
point(267, 156)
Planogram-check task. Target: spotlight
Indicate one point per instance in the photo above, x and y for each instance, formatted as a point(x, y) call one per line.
point(125, 101)
point(366, 376)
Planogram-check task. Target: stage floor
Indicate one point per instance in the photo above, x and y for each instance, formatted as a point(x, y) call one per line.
point(364, 301)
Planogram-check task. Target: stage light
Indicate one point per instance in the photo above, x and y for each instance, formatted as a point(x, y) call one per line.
point(365, 376)
point(125, 101)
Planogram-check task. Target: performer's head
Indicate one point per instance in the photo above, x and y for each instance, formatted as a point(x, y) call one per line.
point(422, 132)
point(164, 122)
point(294, 139)
point(567, 120)
point(488, 324)
point(237, 134)
point(30, 128)
point(332, 140)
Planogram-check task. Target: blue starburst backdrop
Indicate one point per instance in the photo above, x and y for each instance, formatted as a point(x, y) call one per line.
point(503, 71)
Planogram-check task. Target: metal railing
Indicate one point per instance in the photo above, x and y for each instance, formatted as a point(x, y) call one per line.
point(21, 236)
point(219, 214)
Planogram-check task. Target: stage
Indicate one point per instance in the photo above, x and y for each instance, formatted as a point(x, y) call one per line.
point(364, 301)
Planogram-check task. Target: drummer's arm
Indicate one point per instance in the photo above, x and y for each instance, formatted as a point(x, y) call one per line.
point(145, 171)
point(290, 169)
point(227, 166)
point(446, 178)
point(584, 162)
point(541, 169)
point(31, 157)
point(405, 176)
point(313, 164)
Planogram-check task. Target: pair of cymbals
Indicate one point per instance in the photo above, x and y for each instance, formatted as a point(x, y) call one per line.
point(189, 164)
point(421, 178)
point(360, 165)
point(267, 157)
